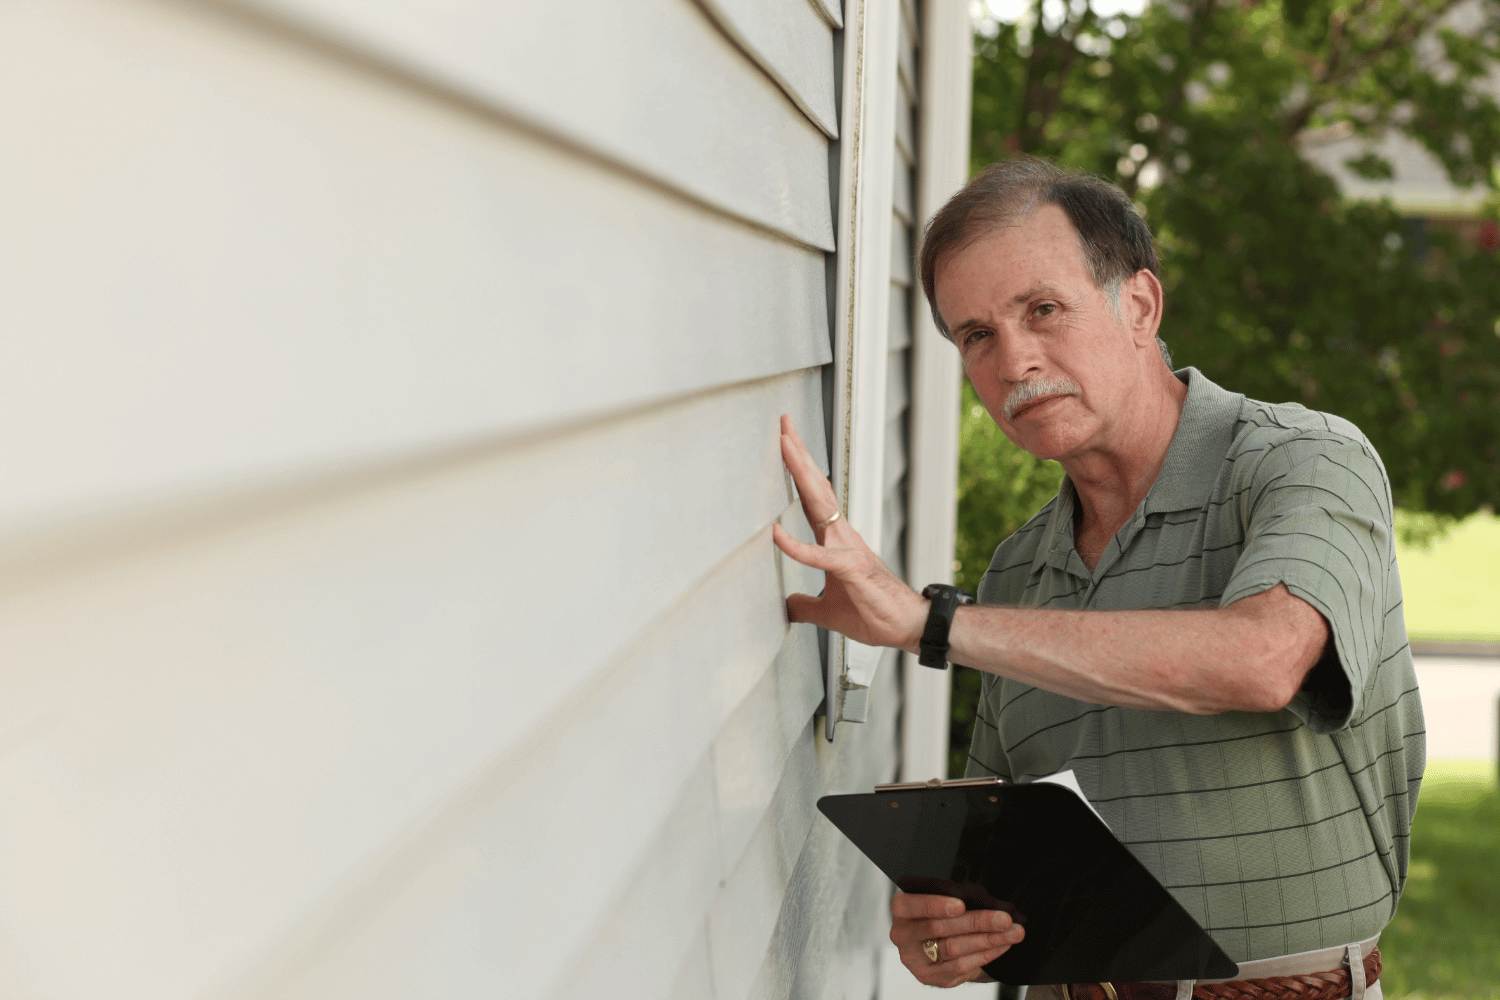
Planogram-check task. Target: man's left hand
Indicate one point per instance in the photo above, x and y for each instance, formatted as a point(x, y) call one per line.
point(966, 940)
point(861, 599)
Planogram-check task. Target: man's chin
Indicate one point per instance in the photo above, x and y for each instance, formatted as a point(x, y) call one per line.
point(1042, 444)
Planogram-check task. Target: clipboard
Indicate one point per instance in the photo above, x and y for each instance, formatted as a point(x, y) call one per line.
point(1092, 912)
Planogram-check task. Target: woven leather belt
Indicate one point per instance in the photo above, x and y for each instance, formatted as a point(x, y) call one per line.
point(1313, 986)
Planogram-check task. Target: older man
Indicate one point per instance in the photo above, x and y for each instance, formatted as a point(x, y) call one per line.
point(1204, 624)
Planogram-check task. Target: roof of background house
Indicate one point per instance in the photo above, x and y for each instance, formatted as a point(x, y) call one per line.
point(1420, 185)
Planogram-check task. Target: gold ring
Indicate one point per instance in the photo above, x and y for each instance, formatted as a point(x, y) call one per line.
point(826, 521)
point(930, 948)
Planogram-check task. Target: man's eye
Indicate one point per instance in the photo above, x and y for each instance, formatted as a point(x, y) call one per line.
point(1045, 309)
point(974, 336)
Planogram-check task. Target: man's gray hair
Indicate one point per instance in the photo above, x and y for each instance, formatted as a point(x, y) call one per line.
point(1115, 240)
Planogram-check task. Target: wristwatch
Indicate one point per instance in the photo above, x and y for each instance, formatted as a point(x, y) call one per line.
point(945, 600)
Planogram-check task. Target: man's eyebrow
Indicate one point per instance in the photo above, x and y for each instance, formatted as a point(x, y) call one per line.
point(1034, 292)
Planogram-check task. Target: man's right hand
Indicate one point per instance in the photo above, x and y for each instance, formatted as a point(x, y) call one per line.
point(965, 940)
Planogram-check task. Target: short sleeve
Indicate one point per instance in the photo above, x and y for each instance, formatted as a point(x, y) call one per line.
point(1318, 518)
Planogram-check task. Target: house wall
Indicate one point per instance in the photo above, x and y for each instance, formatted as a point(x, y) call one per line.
point(387, 601)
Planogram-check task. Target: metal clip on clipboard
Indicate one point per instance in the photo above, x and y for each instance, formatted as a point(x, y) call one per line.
point(907, 786)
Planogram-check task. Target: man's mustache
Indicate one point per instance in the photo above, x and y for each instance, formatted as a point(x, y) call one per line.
point(1024, 392)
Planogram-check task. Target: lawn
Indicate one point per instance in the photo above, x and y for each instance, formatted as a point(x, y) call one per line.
point(1444, 943)
point(1452, 589)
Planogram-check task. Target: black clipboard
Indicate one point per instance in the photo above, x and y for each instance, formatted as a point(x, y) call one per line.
point(1092, 912)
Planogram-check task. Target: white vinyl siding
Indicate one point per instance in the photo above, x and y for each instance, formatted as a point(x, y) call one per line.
point(387, 600)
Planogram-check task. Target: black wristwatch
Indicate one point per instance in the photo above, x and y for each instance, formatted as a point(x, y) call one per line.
point(945, 600)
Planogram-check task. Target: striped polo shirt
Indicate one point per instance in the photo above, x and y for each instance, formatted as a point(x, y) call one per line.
point(1279, 832)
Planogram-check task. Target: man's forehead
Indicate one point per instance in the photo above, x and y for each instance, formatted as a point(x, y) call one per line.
point(1041, 247)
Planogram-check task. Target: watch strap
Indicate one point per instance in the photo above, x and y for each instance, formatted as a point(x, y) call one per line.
point(945, 599)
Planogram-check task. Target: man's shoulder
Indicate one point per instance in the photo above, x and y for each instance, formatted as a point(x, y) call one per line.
point(1265, 429)
point(1286, 445)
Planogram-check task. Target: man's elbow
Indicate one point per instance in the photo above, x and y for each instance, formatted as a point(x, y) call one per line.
point(1263, 685)
point(1288, 640)
point(1280, 673)
point(1280, 684)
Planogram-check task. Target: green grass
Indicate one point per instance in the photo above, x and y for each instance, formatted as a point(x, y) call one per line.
point(1444, 943)
point(1452, 589)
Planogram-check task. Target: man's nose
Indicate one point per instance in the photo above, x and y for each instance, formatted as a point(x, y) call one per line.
point(1018, 357)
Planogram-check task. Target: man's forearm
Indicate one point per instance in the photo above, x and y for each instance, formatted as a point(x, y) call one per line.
point(1251, 656)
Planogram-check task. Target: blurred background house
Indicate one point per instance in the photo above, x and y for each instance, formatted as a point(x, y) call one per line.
point(387, 600)
point(1390, 164)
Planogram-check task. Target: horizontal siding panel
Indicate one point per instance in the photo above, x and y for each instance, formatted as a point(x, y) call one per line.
point(761, 916)
point(808, 955)
point(655, 923)
point(577, 70)
point(901, 255)
point(791, 42)
point(832, 11)
point(897, 381)
point(695, 980)
point(312, 271)
point(828, 868)
point(751, 751)
point(900, 318)
point(863, 934)
point(743, 918)
point(906, 59)
point(895, 451)
point(906, 139)
point(902, 194)
point(744, 767)
point(893, 514)
point(614, 786)
point(375, 652)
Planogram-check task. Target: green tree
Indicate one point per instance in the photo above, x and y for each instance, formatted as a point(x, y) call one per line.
point(1277, 287)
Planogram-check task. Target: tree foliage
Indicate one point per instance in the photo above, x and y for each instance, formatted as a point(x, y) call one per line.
point(1277, 287)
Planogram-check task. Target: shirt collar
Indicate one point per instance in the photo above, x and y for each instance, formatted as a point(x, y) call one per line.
point(1056, 546)
point(1204, 433)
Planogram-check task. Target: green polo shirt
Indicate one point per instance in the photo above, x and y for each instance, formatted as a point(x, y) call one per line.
point(1279, 832)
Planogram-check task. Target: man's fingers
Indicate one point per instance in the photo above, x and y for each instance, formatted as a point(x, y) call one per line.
point(963, 945)
point(801, 608)
point(962, 969)
point(789, 427)
point(808, 555)
point(948, 972)
point(959, 946)
point(919, 917)
point(978, 922)
point(913, 905)
point(818, 499)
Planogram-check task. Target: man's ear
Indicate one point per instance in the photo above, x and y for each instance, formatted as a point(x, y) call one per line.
point(1141, 304)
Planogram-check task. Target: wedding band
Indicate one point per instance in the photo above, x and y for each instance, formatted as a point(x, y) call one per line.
point(825, 523)
point(930, 947)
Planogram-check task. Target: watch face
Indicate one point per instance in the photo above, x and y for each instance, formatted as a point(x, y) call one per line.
point(935, 590)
